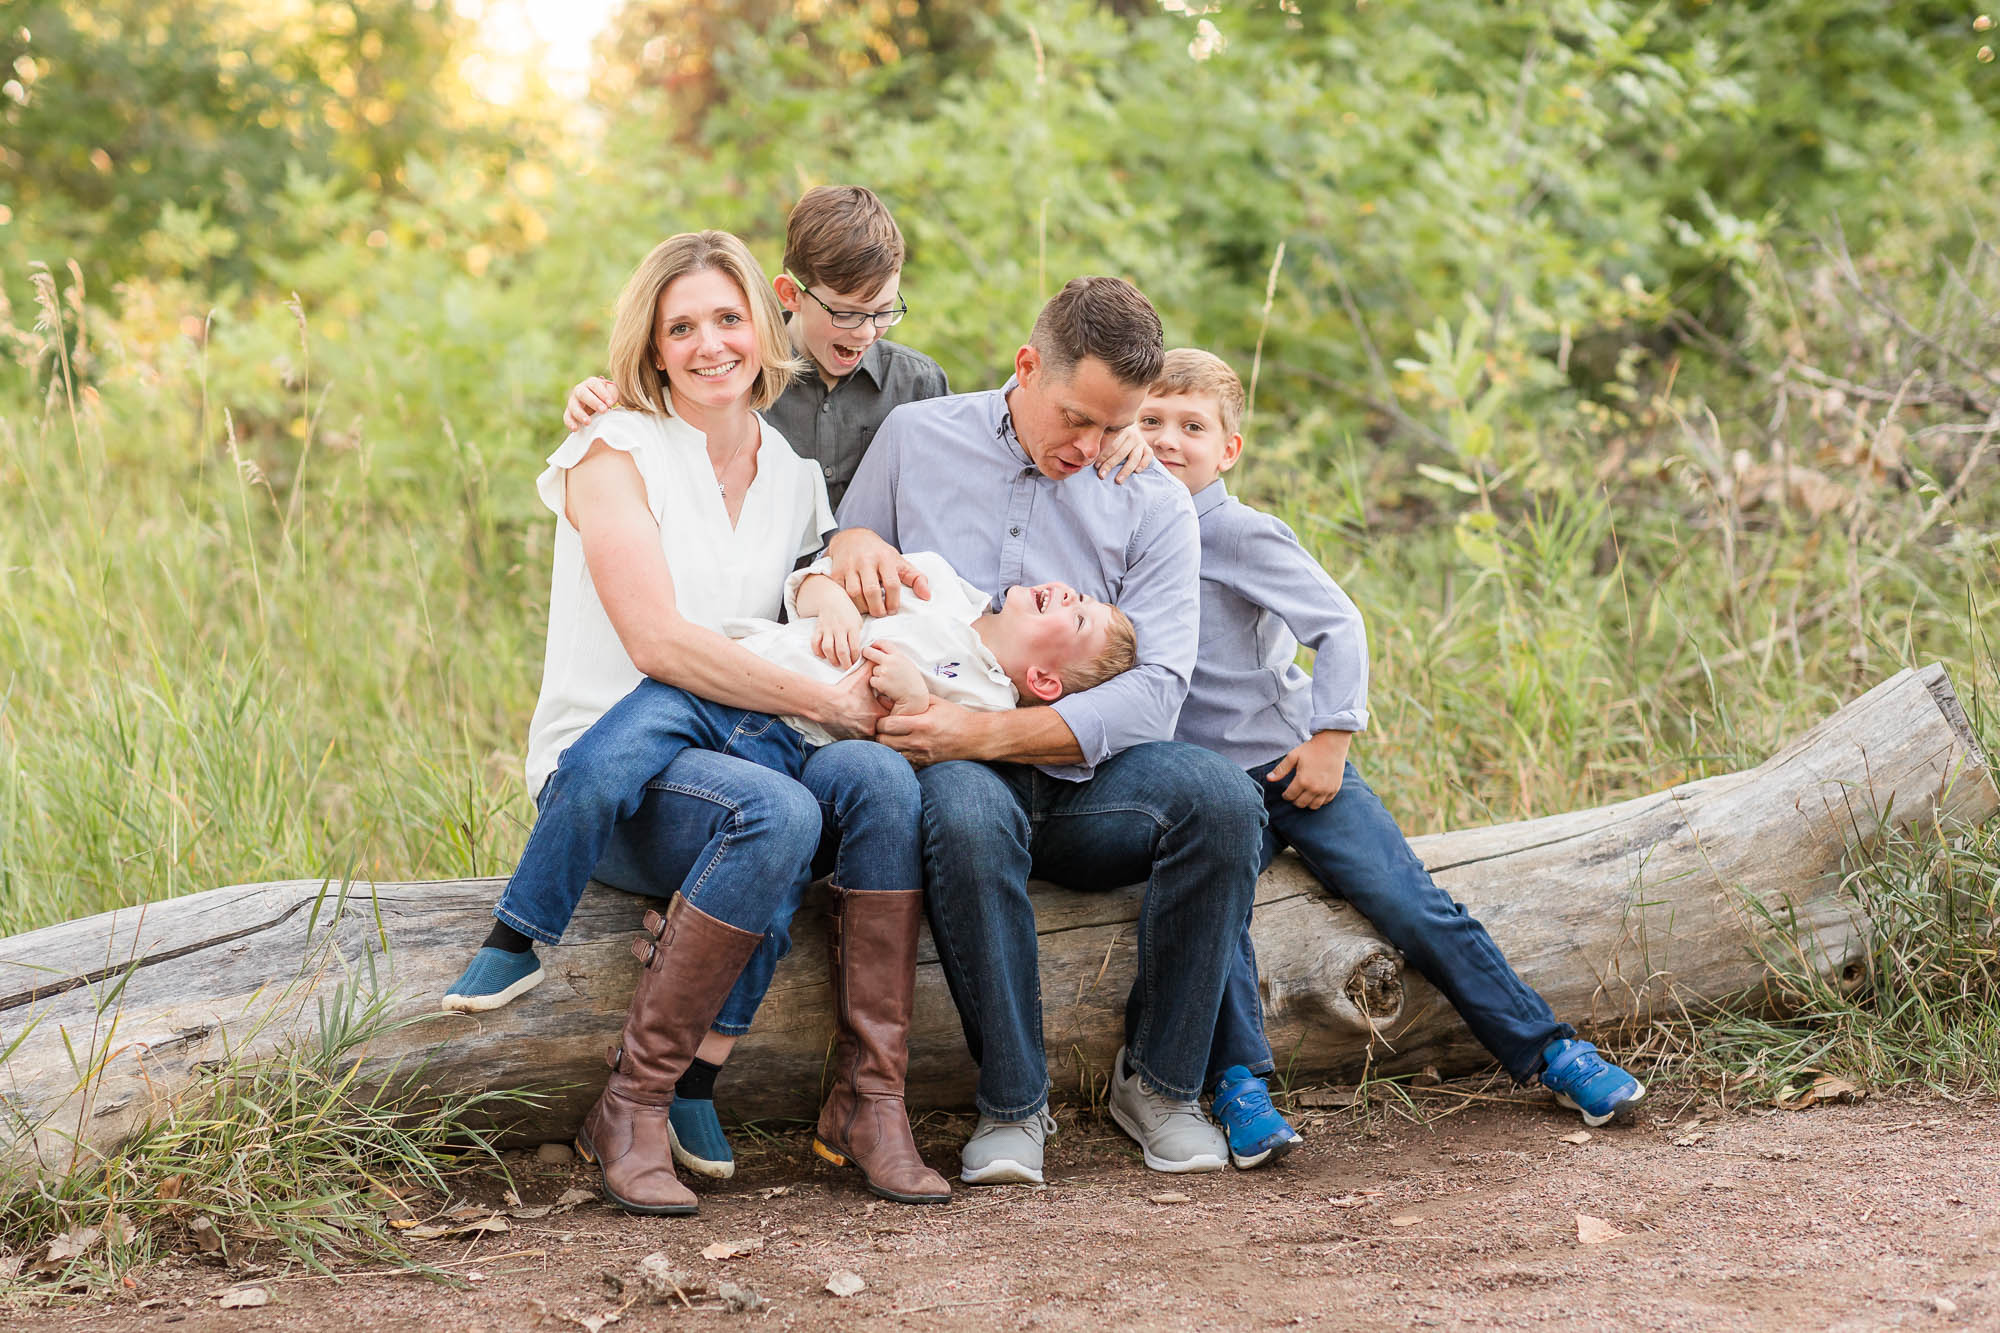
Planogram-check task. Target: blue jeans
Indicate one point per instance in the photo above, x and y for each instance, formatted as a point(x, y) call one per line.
point(1182, 819)
point(1353, 847)
point(668, 791)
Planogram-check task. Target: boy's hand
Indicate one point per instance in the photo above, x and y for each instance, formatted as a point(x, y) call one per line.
point(837, 635)
point(1315, 767)
point(1130, 449)
point(872, 571)
point(587, 399)
point(897, 681)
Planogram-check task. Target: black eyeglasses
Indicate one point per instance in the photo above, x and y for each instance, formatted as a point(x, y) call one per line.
point(854, 319)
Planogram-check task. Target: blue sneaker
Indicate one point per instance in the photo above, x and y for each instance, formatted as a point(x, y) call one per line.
point(1257, 1133)
point(1586, 1082)
point(695, 1132)
point(494, 978)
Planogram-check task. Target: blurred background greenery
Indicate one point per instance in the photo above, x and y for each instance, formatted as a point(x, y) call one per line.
point(1636, 366)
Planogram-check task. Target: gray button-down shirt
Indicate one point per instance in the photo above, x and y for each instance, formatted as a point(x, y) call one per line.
point(1261, 596)
point(832, 426)
point(950, 476)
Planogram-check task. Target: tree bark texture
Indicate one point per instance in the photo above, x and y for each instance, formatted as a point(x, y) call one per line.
point(1616, 914)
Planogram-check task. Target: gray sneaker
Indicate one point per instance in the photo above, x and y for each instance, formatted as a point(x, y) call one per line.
point(1006, 1152)
point(1176, 1136)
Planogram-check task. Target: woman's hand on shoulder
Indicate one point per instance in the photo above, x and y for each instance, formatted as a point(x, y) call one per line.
point(587, 399)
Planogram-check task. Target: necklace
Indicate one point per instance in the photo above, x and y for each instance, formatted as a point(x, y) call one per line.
point(722, 486)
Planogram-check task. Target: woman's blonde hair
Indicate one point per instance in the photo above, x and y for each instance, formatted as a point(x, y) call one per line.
point(641, 384)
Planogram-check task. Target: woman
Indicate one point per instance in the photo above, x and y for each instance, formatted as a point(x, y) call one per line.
point(671, 518)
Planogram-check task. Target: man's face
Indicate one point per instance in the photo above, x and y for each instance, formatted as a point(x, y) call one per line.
point(1185, 431)
point(1064, 422)
point(836, 352)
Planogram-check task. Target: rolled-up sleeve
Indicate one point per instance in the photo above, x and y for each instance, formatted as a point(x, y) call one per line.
point(1162, 595)
point(1274, 571)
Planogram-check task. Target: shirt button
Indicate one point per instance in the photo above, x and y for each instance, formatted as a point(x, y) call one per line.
point(825, 405)
point(827, 470)
point(1013, 532)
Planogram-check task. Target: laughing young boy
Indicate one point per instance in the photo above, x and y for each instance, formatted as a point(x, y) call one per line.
point(1261, 596)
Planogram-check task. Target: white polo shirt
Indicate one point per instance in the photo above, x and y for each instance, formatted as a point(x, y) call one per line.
point(937, 635)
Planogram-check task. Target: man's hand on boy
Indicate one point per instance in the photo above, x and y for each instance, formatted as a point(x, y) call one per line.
point(587, 399)
point(872, 571)
point(1315, 767)
point(897, 681)
point(1129, 449)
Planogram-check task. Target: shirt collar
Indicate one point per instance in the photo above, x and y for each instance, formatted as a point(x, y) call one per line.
point(1210, 497)
point(874, 360)
point(1003, 423)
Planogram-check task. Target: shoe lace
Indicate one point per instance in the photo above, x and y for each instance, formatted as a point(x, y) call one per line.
point(1583, 1065)
point(1247, 1100)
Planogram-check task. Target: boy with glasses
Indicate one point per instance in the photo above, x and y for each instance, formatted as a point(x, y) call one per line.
point(841, 288)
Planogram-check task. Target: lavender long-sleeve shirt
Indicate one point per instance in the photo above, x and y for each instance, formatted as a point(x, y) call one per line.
point(1262, 596)
point(949, 475)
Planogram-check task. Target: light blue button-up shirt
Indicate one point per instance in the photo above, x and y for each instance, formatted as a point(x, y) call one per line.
point(949, 475)
point(1261, 596)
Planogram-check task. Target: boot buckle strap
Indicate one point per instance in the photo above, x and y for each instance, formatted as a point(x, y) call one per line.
point(645, 951)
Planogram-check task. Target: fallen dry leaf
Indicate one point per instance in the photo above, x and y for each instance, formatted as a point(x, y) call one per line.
point(1826, 1088)
point(664, 1282)
point(10, 1265)
point(1406, 1220)
point(207, 1237)
point(1169, 1197)
point(470, 1227)
point(572, 1197)
point(70, 1245)
point(594, 1323)
point(1595, 1230)
point(846, 1284)
point(511, 1199)
point(1689, 1140)
point(242, 1298)
point(1944, 1305)
point(529, 1212)
point(774, 1191)
point(1361, 1200)
point(740, 1300)
point(729, 1249)
point(1581, 1136)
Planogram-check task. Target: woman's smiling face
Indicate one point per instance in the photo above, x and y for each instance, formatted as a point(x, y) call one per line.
point(704, 341)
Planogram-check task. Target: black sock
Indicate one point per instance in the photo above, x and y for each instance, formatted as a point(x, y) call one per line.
point(698, 1084)
point(505, 937)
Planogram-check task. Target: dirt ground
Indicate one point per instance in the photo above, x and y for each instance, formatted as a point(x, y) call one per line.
point(1878, 1215)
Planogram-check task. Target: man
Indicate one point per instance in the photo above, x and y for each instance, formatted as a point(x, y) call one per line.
point(1089, 792)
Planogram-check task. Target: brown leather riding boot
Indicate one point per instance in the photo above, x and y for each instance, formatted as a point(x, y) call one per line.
point(691, 961)
point(873, 943)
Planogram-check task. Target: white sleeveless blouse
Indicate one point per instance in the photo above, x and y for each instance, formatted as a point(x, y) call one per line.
point(720, 573)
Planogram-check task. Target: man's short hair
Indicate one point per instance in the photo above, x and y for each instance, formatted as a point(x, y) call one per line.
point(842, 238)
point(1189, 370)
point(1106, 318)
point(1121, 654)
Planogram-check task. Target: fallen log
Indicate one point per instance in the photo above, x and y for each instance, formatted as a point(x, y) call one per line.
point(1616, 914)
